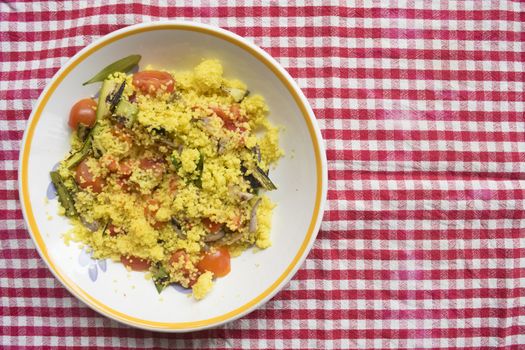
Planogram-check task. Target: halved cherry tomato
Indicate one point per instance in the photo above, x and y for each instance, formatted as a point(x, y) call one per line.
point(135, 263)
point(217, 262)
point(211, 226)
point(151, 208)
point(85, 179)
point(83, 112)
point(156, 165)
point(150, 81)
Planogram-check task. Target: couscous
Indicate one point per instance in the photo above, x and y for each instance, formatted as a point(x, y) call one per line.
point(167, 173)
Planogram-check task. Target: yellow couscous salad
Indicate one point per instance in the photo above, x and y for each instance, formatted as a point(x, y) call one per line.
point(167, 173)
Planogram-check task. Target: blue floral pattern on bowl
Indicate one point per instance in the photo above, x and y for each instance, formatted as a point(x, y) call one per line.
point(85, 259)
point(51, 192)
point(181, 289)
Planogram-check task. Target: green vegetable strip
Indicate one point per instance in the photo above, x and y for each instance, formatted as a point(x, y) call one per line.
point(176, 162)
point(65, 198)
point(237, 94)
point(77, 157)
point(122, 65)
point(263, 179)
point(160, 277)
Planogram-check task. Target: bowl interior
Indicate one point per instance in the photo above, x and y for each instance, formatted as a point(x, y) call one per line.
point(111, 288)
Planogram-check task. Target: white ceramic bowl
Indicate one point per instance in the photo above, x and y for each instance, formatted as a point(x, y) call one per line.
point(301, 176)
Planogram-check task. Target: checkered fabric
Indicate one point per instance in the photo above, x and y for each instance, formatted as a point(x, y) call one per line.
point(421, 104)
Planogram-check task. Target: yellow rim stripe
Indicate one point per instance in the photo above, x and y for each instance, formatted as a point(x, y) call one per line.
point(94, 303)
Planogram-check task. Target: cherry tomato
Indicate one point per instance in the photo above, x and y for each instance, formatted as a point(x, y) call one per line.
point(211, 226)
point(85, 179)
point(155, 165)
point(135, 263)
point(83, 112)
point(151, 208)
point(217, 261)
point(150, 81)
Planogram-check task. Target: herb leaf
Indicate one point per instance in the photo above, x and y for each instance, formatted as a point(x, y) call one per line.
point(122, 65)
point(160, 277)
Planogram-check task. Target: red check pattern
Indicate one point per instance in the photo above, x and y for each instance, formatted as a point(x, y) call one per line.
point(421, 104)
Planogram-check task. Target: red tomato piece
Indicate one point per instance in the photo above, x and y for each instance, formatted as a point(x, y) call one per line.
point(220, 113)
point(135, 263)
point(85, 179)
point(211, 226)
point(176, 255)
point(115, 230)
point(156, 165)
point(235, 110)
point(109, 162)
point(123, 135)
point(217, 262)
point(175, 259)
point(125, 168)
point(83, 112)
point(124, 184)
point(112, 165)
point(151, 208)
point(230, 119)
point(151, 81)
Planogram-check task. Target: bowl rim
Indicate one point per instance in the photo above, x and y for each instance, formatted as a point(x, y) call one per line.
point(315, 137)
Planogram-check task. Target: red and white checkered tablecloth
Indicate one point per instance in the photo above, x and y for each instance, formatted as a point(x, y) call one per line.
point(421, 104)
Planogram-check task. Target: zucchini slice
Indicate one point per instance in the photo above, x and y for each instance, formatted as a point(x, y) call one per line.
point(237, 94)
